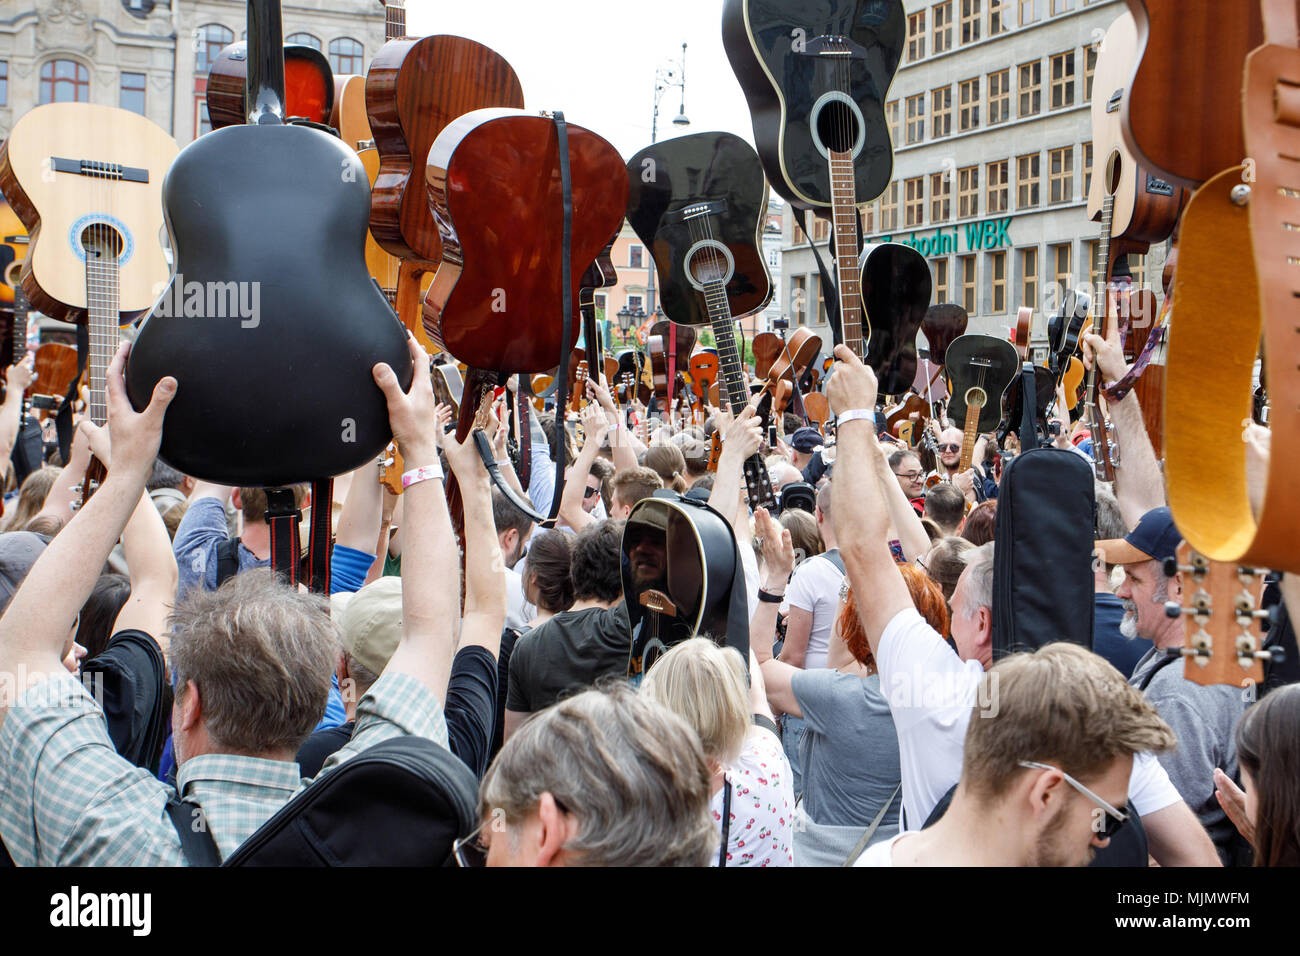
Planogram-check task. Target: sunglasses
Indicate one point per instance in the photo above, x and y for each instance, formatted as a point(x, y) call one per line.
point(591, 492)
point(470, 850)
point(1115, 819)
point(950, 448)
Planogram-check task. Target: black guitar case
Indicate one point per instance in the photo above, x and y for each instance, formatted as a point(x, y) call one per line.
point(1043, 541)
point(271, 324)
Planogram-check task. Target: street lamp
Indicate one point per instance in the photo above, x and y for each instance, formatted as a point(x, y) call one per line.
point(664, 78)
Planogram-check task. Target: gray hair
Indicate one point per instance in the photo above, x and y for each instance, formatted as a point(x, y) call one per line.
point(979, 572)
point(261, 654)
point(630, 770)
point(1110, 521)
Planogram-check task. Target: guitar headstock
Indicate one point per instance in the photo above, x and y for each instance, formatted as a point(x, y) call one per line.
point(578, 397)
point(1223, 619)
point(390, 469)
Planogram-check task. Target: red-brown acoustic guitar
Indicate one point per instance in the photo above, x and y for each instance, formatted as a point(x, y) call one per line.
point(308, 85)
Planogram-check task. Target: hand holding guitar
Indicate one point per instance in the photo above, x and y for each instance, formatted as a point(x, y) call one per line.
point(853, 386)
point(965, 482)
point(594, 423)
point(412, 414)
point(18, 377)
point(136, 435)
point(1108, 353)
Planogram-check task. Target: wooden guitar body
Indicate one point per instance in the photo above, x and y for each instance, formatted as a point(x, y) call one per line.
point(703, 168)
point(896, 293)
point(348, 115)
point(664, 334)
point(56, 370)
point(816, 77)
point(414, 88)
point(495, 302)
point(795, 355)
point(308, 85)
point(980, 368)
point(767, 348)
point(704, 376)
point(13, 250)
point(59, 207)
point(943, 323)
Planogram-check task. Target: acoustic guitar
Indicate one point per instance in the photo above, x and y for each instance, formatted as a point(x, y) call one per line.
point(668, 351)
point(980, 368)
point(895, 289)
point(13, 250)
point(308, 85)
point(704, 375)
point(942, 324)
point(252, 324)
point(702, 214)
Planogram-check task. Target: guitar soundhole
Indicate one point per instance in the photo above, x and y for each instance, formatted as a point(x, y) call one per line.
point(976, 398)
point(1114, 164)
point(707, 265)
point(101, 239)
point(837, 125)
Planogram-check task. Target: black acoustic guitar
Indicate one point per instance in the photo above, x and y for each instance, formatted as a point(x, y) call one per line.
point(271, 324)
point(979, 368)
point(1063, 332)
point(896, 292)
point(698, 202)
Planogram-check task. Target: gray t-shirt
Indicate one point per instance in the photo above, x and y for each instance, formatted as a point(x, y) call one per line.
point(850, 748)
point(1205, 721)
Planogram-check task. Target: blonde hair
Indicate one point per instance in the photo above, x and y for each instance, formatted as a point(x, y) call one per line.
point(705, 685)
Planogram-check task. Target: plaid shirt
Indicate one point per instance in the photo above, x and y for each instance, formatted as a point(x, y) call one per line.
point(68, 799)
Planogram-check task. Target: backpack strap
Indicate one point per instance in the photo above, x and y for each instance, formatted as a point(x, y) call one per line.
point(871, 830)
point(835, 558)
point(1164, 662)
point(197, 845)
point(227, 560)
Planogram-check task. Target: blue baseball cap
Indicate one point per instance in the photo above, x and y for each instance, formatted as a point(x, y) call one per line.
point(805, 439)
point(1155, 536)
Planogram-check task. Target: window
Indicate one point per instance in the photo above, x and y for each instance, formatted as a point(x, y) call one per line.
point(915, 118)
point(305, 39)
point(999, 96)
point(1062, 6)
point(941, 112)
point(970, 21)
point(820, 318)
point(1089, 68)
point(996, 193)
point(1031, 88)
point(940, 280)
point(1027, 173)
point(131, 92)
point(966, 267)
point(1031, 11)
point(4, 82)
point(969, 100)
point(1061, 265)
point(635, 304)
point(868, 219)
point(940, 197)
point(891, 117)
point(1063, 80)
point(799, 300)
point(889, 208)
point(1087, 168)
point(821, 229)
point(346, 56)
point(773, 257)
point(968, 189)
point(914, 202)
point(916, 37)
point(64, 81)
point(942, 27)
point(599, 302)
point(1029, 277)
point(201, 122)
point(998, 270)
point(1060, 174)
point(999, 17)
point(1094, 249)
point(634, 257)
point(208, 42)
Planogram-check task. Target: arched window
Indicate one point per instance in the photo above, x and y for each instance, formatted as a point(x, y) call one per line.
point(306, 39)
point(64, 81)
point(208, 42)
point(346, 56)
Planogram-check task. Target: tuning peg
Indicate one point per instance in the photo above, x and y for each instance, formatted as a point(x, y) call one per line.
point(1174, 609)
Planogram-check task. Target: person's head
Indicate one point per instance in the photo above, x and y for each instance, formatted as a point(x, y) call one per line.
point(1110, 522)
point(31, 497)
point(907, 468)
point(783, 473)
point(597, 485)
point(252, 502)
point(803, 443)
point(629, 486)
point(980, 524)
point(945, 562)
point(251, 663)
point(950, 440)
point(1145, 588)
point(972, 608)
point(945, 506)
point(1071, 712)
point(50, 525)
point(596, 562)
point(18, 552)
point(695, 452)
point(165, 476)
point(706, 686)
point(548, 584)
point(804, 534)
point(926, 597)
point(823, 513)
point(704, 483)
point(512, 527)
point(1268, 749)
point(95, 623)
point(668, 463)
point(605, 778)
point(370, 621)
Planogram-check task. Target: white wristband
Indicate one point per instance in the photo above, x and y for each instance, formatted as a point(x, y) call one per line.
point(423, 473)
point(856, 414)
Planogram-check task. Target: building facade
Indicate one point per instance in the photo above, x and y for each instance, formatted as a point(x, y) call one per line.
point(989, 114)
point(152, 56)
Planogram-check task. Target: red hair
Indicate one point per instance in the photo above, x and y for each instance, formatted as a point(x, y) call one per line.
point(926, 595)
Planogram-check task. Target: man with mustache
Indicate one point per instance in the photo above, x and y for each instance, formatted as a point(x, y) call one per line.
point(1203, 718)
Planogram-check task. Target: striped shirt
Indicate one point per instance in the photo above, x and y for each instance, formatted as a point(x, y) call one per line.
point(68, 799)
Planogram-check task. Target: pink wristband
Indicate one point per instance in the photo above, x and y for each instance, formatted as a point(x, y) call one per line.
point(423, 473)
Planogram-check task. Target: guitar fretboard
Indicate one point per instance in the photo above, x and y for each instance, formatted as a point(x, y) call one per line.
point(102, 298)
point(844, 213)
point(724, 333)
point(970, 434)
point(20, 324)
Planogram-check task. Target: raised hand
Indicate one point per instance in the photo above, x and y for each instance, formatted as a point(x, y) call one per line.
point(777, 549)
point(411, 413)
point(18, 377)
point(744, 435)
point(136, 435)
point(853, 385)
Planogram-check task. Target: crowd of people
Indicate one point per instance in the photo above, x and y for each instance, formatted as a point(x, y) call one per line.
point(150, 655)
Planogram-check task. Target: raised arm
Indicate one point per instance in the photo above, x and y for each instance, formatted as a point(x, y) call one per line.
point(362, 510)
point(741, 439)
point(430, 603)
point(152, 566)
point(485, 579)
point(36, 625)
point(17, 378)
point(778, 562)
point(594, 428)
point(67, 488)
point(906, 522)
point(858, 510)
point(620, 439)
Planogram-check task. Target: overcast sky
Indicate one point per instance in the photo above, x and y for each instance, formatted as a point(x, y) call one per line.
point(596, 60)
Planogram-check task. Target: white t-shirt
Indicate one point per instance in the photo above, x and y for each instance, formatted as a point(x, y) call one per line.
point(518, 611)
point(815, 587)
point(931, 692)
point(879, 854)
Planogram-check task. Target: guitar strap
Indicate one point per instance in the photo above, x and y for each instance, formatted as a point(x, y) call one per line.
point(1117, 391)
point(672, 363)
point(284, 518)
point(1238, 276)
point(828, 282)
point(63, 417)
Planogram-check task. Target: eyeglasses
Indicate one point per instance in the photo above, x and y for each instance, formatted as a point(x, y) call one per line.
point(1114, 818)
point(591, 492)
point(943, 448)
point(910, 475)
point(470, 850)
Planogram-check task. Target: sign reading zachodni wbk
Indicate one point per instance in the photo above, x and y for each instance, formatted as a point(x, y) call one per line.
point(984, 235)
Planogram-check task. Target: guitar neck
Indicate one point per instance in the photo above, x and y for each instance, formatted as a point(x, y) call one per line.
point(844, 213)
point(724, 333)
point(102, 312)
point(264, 92)
point(20, 325)
point(970, 434)
point(1103, 465)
